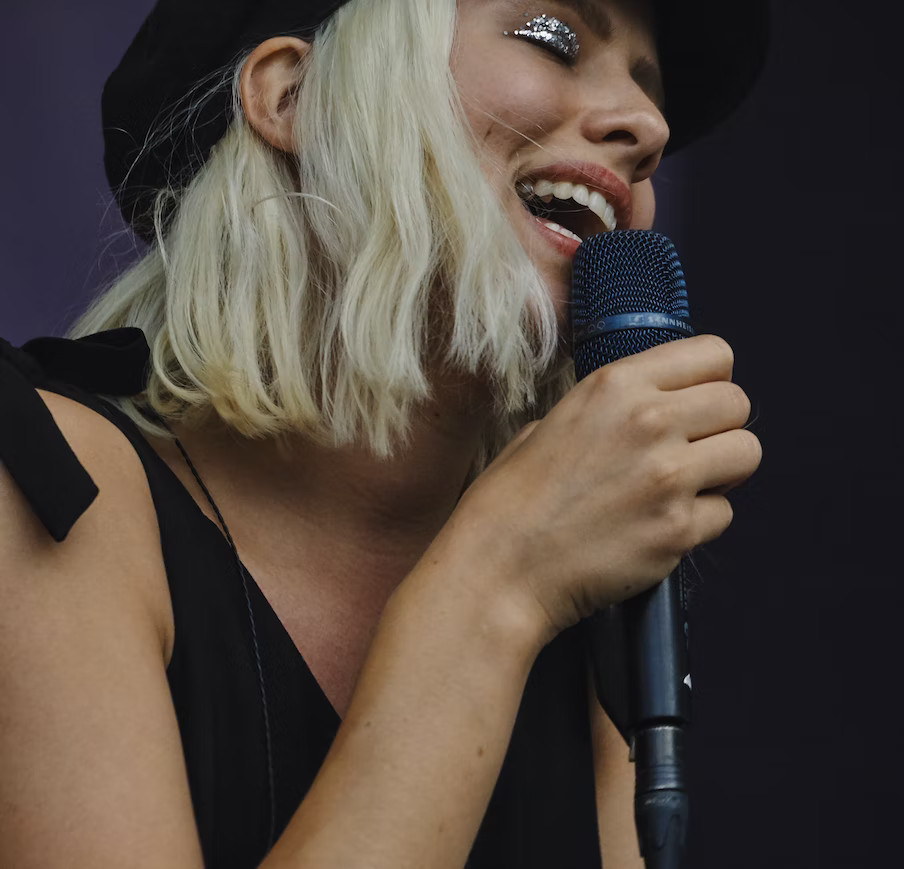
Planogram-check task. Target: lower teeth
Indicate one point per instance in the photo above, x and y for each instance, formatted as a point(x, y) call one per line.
point(561, 230)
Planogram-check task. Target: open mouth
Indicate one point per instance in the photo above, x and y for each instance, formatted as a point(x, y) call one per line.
point(572, 210)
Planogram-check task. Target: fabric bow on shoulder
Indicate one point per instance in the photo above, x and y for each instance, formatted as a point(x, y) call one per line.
point(32, 447)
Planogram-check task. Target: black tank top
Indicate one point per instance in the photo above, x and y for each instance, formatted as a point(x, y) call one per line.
point(254, 723)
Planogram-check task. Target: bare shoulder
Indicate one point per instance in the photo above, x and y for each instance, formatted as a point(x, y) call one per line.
point(91, 767)
point(101, 447)
point(113, 551)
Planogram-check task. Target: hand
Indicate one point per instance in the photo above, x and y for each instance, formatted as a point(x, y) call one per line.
point(602, 498)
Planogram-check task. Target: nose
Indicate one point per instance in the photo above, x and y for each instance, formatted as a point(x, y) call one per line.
point(626, 121)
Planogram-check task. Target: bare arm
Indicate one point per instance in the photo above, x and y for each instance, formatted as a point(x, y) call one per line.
point(91, 765)
point(416, 760)
point(418, 754)
point(91, 769)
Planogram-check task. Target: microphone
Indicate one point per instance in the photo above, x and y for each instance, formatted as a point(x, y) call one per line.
point(629, 294)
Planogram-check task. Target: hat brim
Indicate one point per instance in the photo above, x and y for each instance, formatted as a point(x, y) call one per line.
point(711, 54)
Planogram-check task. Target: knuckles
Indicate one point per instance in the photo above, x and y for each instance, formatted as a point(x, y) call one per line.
point(648, 421)
point(666, 477)
point(609, 379)
point(676, 532)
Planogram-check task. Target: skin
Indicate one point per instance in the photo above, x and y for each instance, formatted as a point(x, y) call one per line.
point(528, 108)
point(399, 593)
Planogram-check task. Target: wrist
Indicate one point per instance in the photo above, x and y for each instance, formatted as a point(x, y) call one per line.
point(470, 575)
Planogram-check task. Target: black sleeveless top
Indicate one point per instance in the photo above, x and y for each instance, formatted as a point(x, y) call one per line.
point(254, 723)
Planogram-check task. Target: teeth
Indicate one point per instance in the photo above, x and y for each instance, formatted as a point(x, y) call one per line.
point(561, 230)
point(581, 195)
point(603, 210)
point(545, 190)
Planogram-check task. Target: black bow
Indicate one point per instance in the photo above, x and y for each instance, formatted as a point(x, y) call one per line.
point(32, 447)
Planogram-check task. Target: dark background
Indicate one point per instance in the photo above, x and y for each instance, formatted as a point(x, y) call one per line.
point(787, 223)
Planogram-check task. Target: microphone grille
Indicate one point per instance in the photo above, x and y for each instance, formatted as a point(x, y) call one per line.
point(624, 272)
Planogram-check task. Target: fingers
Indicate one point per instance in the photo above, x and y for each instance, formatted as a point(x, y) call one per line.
point(712, 408)
point(712, 516)
point(731, 458)
point(683, 363)
point(723, 461)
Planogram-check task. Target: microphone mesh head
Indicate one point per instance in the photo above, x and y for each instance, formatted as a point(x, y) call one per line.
point(624, 272)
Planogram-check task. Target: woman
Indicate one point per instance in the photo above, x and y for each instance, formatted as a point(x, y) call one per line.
point(354, 298)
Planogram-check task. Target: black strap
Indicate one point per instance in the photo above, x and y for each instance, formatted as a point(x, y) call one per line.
point(32, 447)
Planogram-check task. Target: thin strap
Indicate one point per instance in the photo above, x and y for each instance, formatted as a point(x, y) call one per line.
point(254, 642)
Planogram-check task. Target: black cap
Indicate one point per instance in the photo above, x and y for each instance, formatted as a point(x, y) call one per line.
point(183, 43)
point(711, 53)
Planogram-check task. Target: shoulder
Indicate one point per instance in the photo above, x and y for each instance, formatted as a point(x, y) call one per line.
point(95, 440)
point(113, 551)
point(91, 764)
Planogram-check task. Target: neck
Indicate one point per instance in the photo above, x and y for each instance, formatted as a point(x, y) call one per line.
point(346, 494)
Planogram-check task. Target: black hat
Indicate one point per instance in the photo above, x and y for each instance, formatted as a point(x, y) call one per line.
point(711, 52)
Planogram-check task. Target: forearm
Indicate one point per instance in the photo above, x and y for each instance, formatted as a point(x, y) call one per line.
point(414, 764)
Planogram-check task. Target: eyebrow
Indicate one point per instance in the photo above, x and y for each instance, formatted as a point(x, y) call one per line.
point(595, 16)
point(646, 71)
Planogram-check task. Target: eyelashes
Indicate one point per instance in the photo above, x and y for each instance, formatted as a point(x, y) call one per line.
point(550, 32)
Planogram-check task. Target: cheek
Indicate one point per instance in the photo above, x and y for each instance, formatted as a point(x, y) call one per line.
point(644, 205)
point(506, 104)
point(530, 103)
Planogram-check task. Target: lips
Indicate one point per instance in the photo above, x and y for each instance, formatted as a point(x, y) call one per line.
point(595, 178)
point(563, 244)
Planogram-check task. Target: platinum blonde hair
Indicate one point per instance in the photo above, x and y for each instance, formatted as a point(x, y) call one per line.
point(316, 293)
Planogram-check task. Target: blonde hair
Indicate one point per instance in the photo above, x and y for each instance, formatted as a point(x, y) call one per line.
point(303, 294)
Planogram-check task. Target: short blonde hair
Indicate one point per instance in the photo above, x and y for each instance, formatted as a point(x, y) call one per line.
point(302, 293)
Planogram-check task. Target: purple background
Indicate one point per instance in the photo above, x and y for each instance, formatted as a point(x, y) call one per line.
point(787, 222)
point(58, 237)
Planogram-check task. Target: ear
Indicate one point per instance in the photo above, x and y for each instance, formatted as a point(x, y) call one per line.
point(267, 87)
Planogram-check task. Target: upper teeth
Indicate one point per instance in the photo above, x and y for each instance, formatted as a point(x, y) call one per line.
point(580, 193)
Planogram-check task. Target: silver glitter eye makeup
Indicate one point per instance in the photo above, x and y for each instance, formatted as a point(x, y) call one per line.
point(550, 32)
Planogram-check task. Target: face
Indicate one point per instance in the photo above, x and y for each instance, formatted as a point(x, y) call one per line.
point(566, 116)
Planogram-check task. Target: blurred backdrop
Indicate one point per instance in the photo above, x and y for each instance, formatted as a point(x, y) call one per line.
point(787, 224)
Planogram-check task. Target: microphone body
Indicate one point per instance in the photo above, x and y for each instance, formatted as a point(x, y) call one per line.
point(629, 295)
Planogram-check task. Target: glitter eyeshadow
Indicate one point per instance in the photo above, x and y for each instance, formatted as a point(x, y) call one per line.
point(552, 32)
